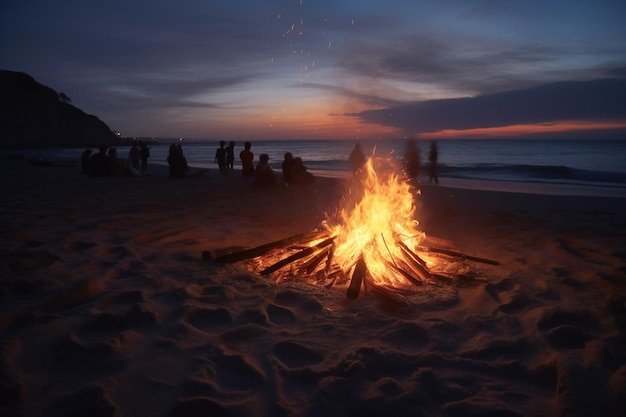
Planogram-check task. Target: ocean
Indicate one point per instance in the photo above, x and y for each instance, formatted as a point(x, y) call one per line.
point(575, 167)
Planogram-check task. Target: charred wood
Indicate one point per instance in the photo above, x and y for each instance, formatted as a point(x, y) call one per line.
point(263, 249)
point(417, 264)
point(360, 271)
point(460, 255)
point(406, 274)
point(298, 255)
point(309, 266)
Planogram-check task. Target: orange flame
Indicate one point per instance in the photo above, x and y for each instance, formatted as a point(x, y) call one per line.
point(377, 223)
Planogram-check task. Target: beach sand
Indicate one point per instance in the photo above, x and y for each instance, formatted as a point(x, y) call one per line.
point(109, 309)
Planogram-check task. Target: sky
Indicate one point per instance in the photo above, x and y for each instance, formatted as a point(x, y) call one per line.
point(329, 69)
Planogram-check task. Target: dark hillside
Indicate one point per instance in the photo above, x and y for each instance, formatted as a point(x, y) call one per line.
point(33, 115)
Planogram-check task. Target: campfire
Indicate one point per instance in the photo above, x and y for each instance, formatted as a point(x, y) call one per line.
point(373, 242)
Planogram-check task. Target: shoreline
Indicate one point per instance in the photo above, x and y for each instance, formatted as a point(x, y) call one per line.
point(524, 185)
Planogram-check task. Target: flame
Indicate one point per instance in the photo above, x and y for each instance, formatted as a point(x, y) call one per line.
point(378, 220)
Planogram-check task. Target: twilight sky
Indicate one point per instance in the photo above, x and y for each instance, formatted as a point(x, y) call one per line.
point(292, 69)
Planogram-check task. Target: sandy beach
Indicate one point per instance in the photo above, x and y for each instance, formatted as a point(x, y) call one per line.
point(108, 307)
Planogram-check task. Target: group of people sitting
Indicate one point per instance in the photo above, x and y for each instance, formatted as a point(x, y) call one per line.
point(293, 169)
point(106, 163)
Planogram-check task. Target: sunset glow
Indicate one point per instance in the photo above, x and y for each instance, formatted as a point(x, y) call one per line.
point(329, 70)
point(520, 130)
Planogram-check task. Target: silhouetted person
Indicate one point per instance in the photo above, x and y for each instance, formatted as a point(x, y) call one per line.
point(299, 173)
point(412, 160)
point(432, 158)
point(264, 174)
point(288, 168)
point(144, 154)
point(84, 160)
point(177, 162)
point(247, 158)
point(357, 158)
point(230, 156)
point(117, 167)
point(99, 163)
point(134, 160)
point(220, 157)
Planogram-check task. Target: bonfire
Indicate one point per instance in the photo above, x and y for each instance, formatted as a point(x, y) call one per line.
point(373, 241)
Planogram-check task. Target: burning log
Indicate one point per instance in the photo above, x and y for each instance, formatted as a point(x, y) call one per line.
point(331, 252)
point(309, 266)
point(459, 255)
point(416, 262)
point(263, 249)
point(412, 254)
point(406, 274)
point(299, 255)
point(391, 297)
point(360, 271)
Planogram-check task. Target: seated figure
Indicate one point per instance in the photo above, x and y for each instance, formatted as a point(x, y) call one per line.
point(264, 174)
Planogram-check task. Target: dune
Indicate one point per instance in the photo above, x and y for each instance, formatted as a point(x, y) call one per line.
point(108, 307)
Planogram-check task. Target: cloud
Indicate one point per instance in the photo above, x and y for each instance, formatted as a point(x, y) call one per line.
point(596, 100)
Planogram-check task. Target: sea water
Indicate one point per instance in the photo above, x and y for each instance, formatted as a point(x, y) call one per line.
point(580, 167)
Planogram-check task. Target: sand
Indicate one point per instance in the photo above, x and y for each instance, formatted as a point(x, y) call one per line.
point(109, 309)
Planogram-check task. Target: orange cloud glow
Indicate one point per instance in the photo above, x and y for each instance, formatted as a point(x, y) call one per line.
point(524, 129)
point(302, 120)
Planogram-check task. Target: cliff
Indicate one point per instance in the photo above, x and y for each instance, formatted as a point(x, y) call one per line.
point(33, 115)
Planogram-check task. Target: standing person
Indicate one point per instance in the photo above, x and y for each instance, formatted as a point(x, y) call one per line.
point(177, 163)
point(247, 158)
point(144, 154)
point(117, 167)
point(432, 157)
point(288, 168)
point(357, 158)
point(412, 160)
point(230, 156)
point(84, 160)
point(134, 159)
point(220, 157)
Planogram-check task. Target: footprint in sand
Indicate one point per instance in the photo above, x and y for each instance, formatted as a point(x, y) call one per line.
point(236, 373)
point(70, 354)
point(92, 400)
point(305, 303)
point(280, 315)
point(562, 328)
point(124, 297)
point(208, 319)
point(198, 406)
point(406, 336)
point(296, 355)
point(80, 245)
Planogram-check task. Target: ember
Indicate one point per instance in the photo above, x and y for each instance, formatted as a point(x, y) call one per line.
point(373, 242)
